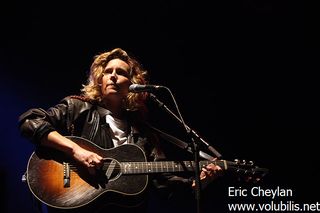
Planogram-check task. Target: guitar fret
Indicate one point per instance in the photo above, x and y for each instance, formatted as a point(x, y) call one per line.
point(125, 167)
point(173, 166)
point(149, 167)
point(136, 168)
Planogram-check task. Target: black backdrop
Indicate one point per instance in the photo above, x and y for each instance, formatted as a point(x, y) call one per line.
point(243, 74)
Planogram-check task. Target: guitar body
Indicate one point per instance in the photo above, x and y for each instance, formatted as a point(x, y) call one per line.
point(48, 181)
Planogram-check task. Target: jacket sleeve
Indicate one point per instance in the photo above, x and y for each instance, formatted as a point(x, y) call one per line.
point(36, 123)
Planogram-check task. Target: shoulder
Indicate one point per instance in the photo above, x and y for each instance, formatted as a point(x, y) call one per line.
point(77, 101)
point(78, 98)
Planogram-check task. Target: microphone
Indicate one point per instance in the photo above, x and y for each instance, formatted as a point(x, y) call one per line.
point(143, 88)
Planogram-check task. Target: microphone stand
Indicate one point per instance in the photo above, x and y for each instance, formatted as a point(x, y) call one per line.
point(189, 130)
point(195, 138)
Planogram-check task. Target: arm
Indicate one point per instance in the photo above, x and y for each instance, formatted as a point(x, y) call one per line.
point(47, 127)
point(57, 141)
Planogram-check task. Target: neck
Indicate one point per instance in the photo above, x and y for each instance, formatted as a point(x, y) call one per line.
point(116, 107)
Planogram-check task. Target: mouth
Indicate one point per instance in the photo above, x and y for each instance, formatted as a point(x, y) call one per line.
point(113, 85)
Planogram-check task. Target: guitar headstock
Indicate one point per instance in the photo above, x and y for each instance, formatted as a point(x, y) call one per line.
point(247, 170)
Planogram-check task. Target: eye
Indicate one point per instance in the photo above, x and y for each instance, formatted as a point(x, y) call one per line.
point(119, 71)
point(107, 71)
point(122, 72)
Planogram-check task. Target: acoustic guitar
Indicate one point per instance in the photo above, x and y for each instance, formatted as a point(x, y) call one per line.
point(59, 182)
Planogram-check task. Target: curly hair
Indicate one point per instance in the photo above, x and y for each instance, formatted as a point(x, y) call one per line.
point(137, 75)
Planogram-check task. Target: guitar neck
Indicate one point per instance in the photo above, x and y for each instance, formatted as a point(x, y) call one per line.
point(165, 166)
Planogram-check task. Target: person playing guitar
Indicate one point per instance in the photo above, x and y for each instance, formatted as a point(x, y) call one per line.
point(99, 141)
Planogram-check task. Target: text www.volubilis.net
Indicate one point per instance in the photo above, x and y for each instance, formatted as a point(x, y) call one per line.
point(272, 206)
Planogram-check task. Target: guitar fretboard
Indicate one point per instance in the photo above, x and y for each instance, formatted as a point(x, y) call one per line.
point(161, 166)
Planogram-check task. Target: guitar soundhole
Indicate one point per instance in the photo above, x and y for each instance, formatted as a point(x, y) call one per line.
point(111, 169)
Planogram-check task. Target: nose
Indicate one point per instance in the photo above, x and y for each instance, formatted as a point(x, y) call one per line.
point(114, 75)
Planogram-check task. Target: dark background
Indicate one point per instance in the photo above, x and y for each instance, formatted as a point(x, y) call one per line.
point(244, 74)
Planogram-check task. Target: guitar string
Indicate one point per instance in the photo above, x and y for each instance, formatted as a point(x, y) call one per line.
point(159, 165)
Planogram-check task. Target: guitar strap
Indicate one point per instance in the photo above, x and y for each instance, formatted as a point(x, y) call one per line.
point(183, 145)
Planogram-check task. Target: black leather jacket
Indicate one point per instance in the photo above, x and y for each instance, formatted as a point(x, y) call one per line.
point(78, 117)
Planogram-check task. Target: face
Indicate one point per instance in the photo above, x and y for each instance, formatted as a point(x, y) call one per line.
point(115, 80)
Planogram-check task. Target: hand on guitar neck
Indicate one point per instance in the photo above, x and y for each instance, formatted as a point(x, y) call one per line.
point(208, 174)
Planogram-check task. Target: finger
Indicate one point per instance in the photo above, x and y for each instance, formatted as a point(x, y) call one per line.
point(98, 164)
point(212, 166)
point(99, 157)
point(214, 169)
point(95, 160)
point(203, 175)
point(89, 164)
point(204, 169)
point(209, 171)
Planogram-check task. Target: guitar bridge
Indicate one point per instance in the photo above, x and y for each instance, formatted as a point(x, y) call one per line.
point(66, 175)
